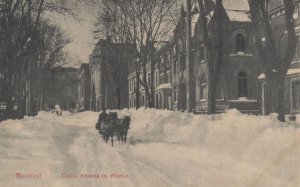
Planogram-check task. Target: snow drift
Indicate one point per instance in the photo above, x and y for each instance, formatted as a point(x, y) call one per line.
point(165, 148)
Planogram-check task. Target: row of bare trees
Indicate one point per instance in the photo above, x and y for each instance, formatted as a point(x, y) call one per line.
point(147, 23)
point(30, 47)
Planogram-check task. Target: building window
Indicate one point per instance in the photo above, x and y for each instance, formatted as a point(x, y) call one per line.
point(240, 43)
point(130, 103)
point(81, 86)
point(156, 100)
point(203, 95)
point(156, 78)
point(134, 85)
point(175, 95)
point(183, 64)
point(296, 56)
point(162, 62)
point(130, 87)
point(129, 69)
point(242, 85)
point(174, 66)
point(134, 102)
point(169, 57)
point(149, 79)
point(296, 13)
point(162, 102)
point(166, 61)
point(296, 95)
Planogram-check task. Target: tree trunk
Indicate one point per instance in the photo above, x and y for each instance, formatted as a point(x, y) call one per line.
point(211, 100)
point(280, 98)
point(274, 100)
point(137, 91)
point(188, 59)
point(179, 97)
point(271, 94)
point(118, 98)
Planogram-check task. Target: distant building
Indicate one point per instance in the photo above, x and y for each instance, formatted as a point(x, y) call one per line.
point(84, 85)
point(61, 89)
point(109, 71)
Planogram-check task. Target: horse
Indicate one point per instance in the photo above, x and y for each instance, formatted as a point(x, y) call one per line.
point(123, 126)
point(109, 127)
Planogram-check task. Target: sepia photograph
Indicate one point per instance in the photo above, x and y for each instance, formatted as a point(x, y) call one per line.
point(146, 93)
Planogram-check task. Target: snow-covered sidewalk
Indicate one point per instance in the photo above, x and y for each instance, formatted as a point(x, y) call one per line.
point(164, 149)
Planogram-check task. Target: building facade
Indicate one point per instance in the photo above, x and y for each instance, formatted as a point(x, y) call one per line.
point(237, 83)
point(84, 85)
point(109, 71)
point(292, 82)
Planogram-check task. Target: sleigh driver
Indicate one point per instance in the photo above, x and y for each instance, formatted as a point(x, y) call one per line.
point(102, 116)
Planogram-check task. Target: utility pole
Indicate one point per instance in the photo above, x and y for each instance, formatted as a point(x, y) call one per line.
point(188, 58)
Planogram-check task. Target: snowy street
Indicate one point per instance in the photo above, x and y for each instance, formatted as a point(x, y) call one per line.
point(164, 148)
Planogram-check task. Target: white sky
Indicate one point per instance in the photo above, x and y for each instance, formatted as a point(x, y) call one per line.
point(80, 30)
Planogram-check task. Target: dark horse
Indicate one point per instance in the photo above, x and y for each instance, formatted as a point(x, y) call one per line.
point(109, 127)
point(123, 126)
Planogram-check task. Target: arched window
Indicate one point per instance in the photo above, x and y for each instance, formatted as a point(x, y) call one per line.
point(242, 85)
point(240, 43)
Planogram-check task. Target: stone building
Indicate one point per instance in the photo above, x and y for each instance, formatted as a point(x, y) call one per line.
point(292, 83)
point(237, 83)
point(84, 88)
point(163, 77)
point(109, 71)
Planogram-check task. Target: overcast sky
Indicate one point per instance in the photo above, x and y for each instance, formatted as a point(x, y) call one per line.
point(80, 30)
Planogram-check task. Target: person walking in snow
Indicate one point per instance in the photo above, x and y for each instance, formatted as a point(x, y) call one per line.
point(58, 110)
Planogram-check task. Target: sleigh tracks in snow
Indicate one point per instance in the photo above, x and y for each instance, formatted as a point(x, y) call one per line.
point(113, 127)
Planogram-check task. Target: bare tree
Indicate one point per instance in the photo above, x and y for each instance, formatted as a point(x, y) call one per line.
point(213, 46)
point(20, 21)
point(145, 24)
point(50, 44)
point(275, 58)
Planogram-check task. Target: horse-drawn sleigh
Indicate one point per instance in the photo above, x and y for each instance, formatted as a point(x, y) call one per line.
point(112, 126)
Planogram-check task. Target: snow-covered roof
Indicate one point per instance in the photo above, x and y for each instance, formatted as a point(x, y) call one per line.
point(241, 16)
point(290, 72)
point(164, 86)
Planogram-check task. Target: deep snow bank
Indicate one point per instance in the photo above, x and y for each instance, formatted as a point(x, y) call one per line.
point(264, 148)
point(165, 148)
